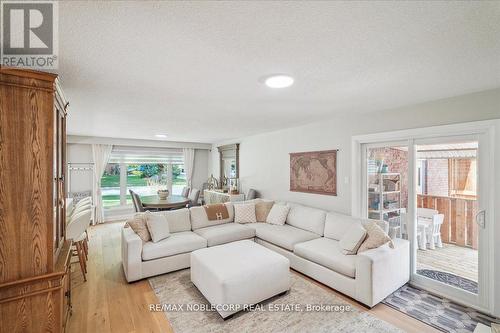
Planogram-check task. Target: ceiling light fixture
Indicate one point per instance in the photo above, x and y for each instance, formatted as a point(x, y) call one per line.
point(278, 81)
point(161, 136)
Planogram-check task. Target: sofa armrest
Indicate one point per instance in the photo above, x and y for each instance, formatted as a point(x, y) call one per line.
point(131, 255)
point(381, 271)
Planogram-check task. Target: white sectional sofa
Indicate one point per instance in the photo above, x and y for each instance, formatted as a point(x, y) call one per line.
point(309, 239)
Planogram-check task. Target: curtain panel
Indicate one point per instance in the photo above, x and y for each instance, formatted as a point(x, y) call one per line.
point(188, 164)
point(101, 155)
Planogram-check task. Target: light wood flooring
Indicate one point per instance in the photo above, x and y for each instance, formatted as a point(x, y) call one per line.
point(458, 260)
point(107, 303)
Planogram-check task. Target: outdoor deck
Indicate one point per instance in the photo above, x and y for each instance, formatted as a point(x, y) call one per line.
point(458, 260)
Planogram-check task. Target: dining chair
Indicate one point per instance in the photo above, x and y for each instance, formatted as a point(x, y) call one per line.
point(76, 211)
point(136, 200)
point(84, 201)
point(251, 194)
point(76, 230)
point(202, 193)
point(193, 197)
point(185, 191)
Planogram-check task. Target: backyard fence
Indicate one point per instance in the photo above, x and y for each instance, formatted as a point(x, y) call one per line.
point(459, 226)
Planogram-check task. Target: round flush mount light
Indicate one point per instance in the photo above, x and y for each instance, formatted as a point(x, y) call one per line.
point(278, 81)
point(161, 136)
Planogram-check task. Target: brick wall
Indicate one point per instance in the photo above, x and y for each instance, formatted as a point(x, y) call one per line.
point(397, 161)
point(436, 178)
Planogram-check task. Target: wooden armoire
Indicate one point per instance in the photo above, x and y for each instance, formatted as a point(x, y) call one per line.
point(35, 257)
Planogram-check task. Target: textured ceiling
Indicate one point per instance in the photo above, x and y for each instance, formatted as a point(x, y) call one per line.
point(192, 69)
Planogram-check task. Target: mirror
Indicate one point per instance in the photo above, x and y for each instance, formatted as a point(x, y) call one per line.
point(229, 158)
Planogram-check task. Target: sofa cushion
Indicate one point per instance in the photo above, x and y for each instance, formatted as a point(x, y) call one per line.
point(337, 225)
point(327, 252)
point(262, 209)
point(376, 237)
point(139, 225)
point(177, 243)
point(178, 220)
point(277, 215)
point(244, 213)
point(157, 226)
point(284, 236)
point(351, 241)
point(225, 233)
point(199, 217)
point(307, 218)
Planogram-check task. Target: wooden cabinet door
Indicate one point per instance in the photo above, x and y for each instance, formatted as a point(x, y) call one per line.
point(59, 171)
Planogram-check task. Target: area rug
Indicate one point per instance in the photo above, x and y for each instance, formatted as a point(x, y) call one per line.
point(451, 279)
point(436, 311)
point(291, 312)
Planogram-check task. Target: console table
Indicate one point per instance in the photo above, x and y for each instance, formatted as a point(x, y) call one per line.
point(212, 197)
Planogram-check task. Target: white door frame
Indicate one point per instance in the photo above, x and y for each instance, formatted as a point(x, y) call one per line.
point(485, 129)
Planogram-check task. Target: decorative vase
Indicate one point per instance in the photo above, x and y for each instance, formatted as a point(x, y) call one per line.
point(163, 194)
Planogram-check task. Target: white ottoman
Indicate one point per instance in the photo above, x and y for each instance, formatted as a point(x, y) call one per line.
point(236, 274)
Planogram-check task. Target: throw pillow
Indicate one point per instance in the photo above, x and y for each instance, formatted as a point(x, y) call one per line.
point(352, 239)
point(157, 226)
point(138, 224)
point(262, 209)
point(375, 237)
point(278, 214)
point(244, 213)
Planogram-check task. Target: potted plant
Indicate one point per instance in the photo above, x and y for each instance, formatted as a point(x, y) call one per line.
point(163, 194)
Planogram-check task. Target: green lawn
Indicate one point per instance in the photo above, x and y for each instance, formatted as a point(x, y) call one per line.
point(114, 181)
point(132, 180)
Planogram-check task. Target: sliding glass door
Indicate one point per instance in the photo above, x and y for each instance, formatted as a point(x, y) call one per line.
point(434, 192)
point(450, 233)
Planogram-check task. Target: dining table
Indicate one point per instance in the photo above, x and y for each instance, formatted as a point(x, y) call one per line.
point(171, 202)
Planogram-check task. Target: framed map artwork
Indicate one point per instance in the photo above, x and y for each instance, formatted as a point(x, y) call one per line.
point(314, 172)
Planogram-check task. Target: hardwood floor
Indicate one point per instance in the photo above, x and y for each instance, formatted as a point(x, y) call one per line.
point(107, 303)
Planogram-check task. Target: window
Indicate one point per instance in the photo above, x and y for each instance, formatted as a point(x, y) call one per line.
point(146, 179)
point(143, 170)
point(110, 186)
point(178, 178)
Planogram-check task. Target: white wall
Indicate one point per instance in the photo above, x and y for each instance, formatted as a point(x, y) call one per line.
point(264, 159)
point(79, 180)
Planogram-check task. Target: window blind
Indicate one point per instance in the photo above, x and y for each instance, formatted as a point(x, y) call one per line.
point(146, 155)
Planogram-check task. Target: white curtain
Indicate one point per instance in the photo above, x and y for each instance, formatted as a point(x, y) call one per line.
point(101, 154)
point(188, 164)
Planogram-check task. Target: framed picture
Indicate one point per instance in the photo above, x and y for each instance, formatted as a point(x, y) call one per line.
point(314, 172)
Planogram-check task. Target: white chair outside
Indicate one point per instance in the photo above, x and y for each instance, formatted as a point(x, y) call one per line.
point(429, 222)
point(434, 231)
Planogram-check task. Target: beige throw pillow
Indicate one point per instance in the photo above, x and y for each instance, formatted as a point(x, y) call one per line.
point(139, 224)
point(157, 226)
point(278, 214)
point(244, 213)
point(352, 239)
point(376, 237)
point(262, 209)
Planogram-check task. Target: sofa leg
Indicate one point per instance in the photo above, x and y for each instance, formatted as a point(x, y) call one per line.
point(228, 317)
point(283, 293)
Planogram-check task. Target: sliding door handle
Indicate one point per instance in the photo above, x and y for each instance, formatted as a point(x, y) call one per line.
point(481, 218)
